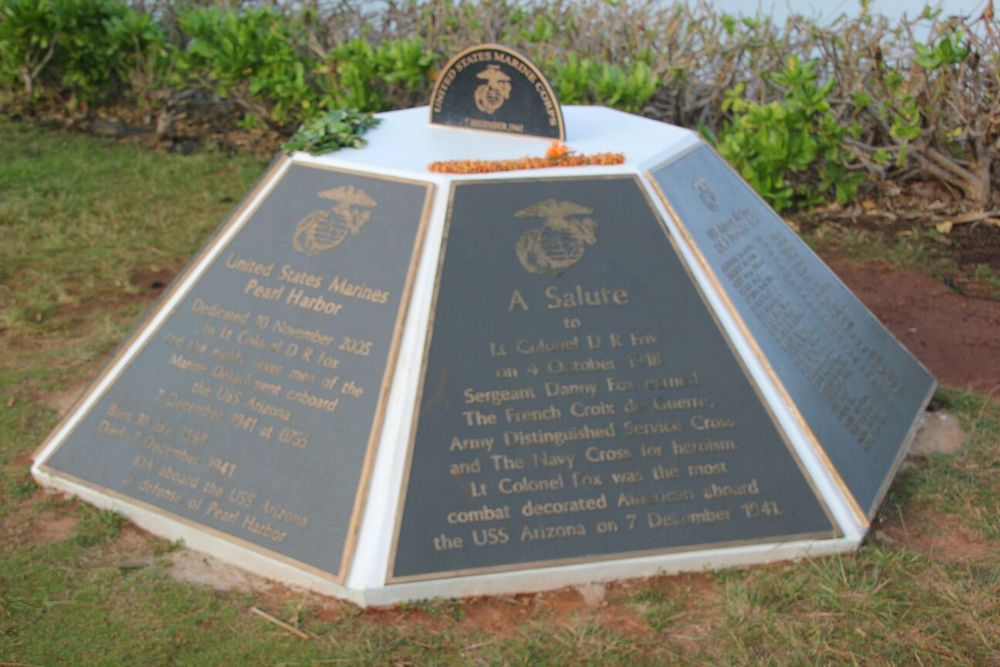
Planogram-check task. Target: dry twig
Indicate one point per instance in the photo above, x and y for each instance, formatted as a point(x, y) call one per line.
point(278, 622)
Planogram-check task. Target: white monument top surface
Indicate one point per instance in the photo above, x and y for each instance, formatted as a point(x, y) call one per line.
point(406, 141)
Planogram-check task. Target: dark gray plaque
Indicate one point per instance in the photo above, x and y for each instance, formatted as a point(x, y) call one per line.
point(252, 408)
point(494, 88)
point(858, 389)
point(579, 400)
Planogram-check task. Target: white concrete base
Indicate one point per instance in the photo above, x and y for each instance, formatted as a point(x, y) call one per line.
point(198, 538)
point(402, 146)
point(546, 579)
point(528, 580)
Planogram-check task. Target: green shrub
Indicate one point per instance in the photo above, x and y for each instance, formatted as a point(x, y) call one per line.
point(625, 89)
point(28, 32)
point(364, 77)
point(918, 94)
point(407, 62)
point(88, 63)
point(250, 57)
point(579, 80)
point(138, 43)
point(352, 75)
point(937, 113)
point(791, 151)
point(571, 78)
point(86, 49)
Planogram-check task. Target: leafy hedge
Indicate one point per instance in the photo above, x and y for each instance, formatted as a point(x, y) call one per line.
point(805, 110)
point(83, 50)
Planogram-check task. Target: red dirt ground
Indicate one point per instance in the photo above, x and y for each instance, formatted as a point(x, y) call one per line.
point(935, 535)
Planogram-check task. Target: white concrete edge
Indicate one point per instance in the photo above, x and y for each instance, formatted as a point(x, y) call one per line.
point(543, 579)
point(823, 479)
point(530, 580)
point(199, 540)
point(374, 543)
point(150, 327)
point(444, 180)
point(332, 160)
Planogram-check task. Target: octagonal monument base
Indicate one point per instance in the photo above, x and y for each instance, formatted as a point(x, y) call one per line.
point(385, 384)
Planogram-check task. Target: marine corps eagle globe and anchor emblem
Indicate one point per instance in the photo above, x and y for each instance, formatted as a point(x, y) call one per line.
point(491, 95)
point(326, 229)
point(558, 244)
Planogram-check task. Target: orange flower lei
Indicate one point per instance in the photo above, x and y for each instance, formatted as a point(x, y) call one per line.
point(556, 155)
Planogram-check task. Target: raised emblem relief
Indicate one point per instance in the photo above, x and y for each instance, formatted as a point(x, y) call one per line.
point(558, 244)
point(491, 95)
point(326, 229)
point(707, 194)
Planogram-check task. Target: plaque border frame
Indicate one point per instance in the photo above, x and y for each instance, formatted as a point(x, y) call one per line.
point(520, 56)
point(130, 348)
point(864, 517)
point(837, 531)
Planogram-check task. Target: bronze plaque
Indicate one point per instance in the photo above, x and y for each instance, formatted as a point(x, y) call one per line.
point(250, 402)
point(579, 400)
point(857, 389)
point(495, 88)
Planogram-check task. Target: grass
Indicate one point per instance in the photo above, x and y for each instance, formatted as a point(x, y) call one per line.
point(80, 218)
point(921, 249)
point(988, 277)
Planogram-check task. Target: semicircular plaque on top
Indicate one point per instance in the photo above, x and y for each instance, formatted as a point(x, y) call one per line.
point(497, 89)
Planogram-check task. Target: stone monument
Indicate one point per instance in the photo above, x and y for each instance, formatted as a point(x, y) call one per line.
point(384, 383)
